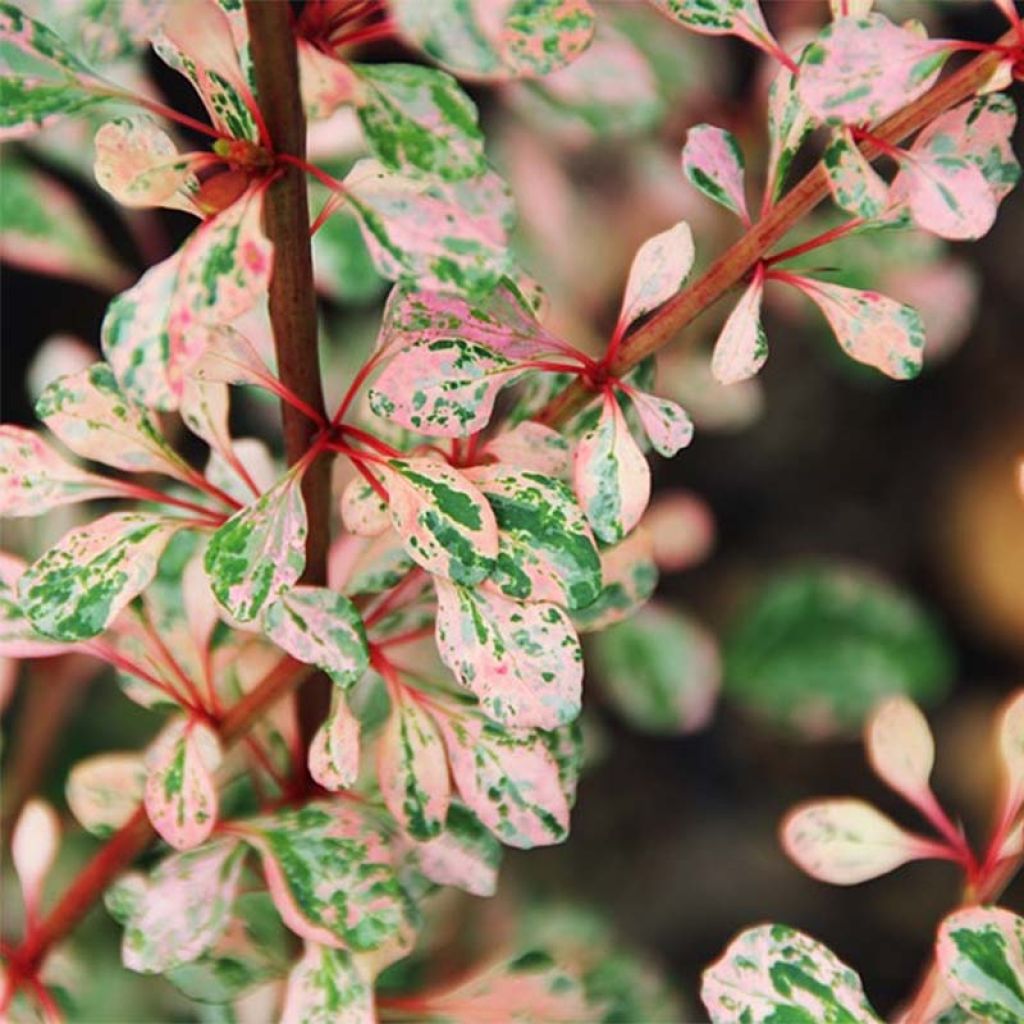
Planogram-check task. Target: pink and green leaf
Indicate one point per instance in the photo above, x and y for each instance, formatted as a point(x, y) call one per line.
point(412, 770)
point(509, 779)
point(319, 627)
point(530, 446)
point(260, 551)
point(630, 576)
point(180, 794)
point(363, 511)
point(856, 186)
point(742, 345)
point(334, 750)
point(713, 163)
point(326, 987)
point(78, 587)
point(741, 18)
point(104, 791)
point(665, 423)
point(789, 123)
point(659, 270)
point(465, 855)
point(610, 475)
point(521, 660)
point(444, 521)
point(775, 973)
point(35, 479)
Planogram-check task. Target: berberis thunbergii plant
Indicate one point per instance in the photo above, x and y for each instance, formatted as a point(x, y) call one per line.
point(364, 664)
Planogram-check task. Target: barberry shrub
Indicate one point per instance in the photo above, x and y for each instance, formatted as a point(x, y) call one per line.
point(360, 644)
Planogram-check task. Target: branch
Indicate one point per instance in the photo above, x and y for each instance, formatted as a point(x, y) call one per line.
point(292, 294)
point(741, 257)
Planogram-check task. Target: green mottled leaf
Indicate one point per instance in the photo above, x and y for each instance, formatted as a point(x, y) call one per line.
point(319, 627)
point(816, 648)
point(630, 576)
point(260, 551)
point(660, 669)
point(465, 854)
point(77, 588)
point(773, 973)
point(420, 119)
point(721, 17)
point(327, 987)
point(856, 186)
point(980, 953)
point(546, 551)
point(521, 660)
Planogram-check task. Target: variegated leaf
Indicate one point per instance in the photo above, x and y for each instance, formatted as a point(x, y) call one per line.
point(485, 39)
point(363, 511)
point(42, 79)
point(856, 186)
point(464, 855)
point(181, 796)
point(90, 413)
point(334, 750)
point(870, 327)
point(325, 81)
point(77, 588)
point(326, 987)
point(546, 551)
point(224, 270)
point(863, 69)
point(630, 576)
point(105, 790)
point(440, 234)
point(713, 163)
point(742, 18)
point(230, 358)
point(509, 779)
point(660, 268)
point(319, 627)
point(742, 345)
point(139, 165)
point(45, 229)
point(947, 195)
point(901, 749)
point(181, 910)
point(330, 874)
point(610, 475)
point(18, 637)
point(204, 409)
point(789, 123)
point(665, 423)
point(522, 661)
point(260, 551)
point(773, 973)
point(660, 669)
point(136, 340)
point(368, 566)
point(847, 841)
point(197, 40)
point(417, 118)
point(980, 953)
point(412, 769)
point(532, 446)
point(444, 521)
point(35, 479)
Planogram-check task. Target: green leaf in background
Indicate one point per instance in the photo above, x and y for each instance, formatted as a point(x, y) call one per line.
point(660, 669)
point(818, 646)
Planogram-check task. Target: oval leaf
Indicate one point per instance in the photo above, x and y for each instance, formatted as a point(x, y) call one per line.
point(659, 270)
point(901, 749)
point(713, 163)
point(326, 987)
point(334, 750)
point(742, 345)
point(104, 791)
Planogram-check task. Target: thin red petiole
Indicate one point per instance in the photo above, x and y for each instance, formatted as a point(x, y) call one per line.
point(816, 242)
point(368, 34)
point(363, 437)
point(162, 110)
point(105, 651)
point(141, 493)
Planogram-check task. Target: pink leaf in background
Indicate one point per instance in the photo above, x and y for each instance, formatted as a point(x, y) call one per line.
point(742, 346)
point(659, 270)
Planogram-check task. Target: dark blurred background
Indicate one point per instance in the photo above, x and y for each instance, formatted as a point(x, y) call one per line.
point(675, 838)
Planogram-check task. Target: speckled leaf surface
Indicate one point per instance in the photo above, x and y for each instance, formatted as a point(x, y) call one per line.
point(444, 521)
point(665, 422)
point(230, 358)
point(742, 345)
point(181, 909)
point(980, 953)
point(774, 973)
point(326, 987)
point(659, 269)
point(856, 186)
point(77, 588)
point(412, 770)
point(546, 551)
point(35, 479)
point(319, 627)
point(330, 874)
point(439, 234)
point(18, 637)
point(720, 17)
point(363, 511)
point(863, 69)
point(630, 575)
point(713, 163)
point(139, 165)
point(870, 327)
point(105, 790)
point(610, 475)
point(334, 751)
point(846, 841)
point(522, 660)
point(260, 551)
point(90, 413)
point(789, 122)
point(531, 446)
point(419, 118)
point(465, 855)
point(509, 779)
point(180, 794)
